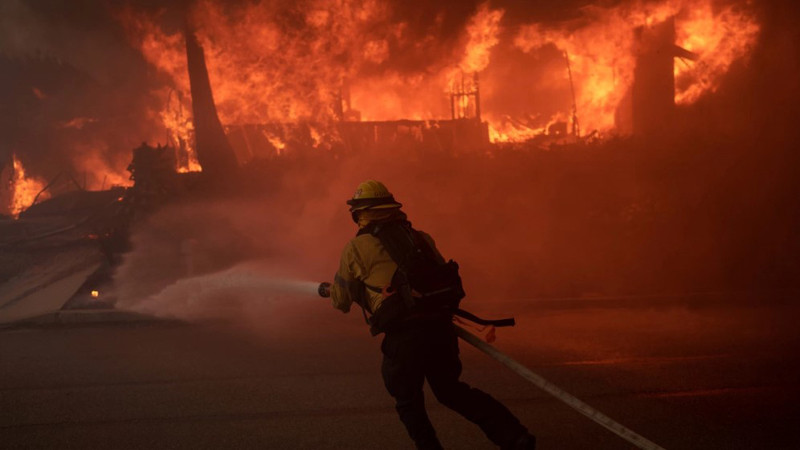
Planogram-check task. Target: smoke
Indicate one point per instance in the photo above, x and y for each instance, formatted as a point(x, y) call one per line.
point(245, 261)
point(607, 219)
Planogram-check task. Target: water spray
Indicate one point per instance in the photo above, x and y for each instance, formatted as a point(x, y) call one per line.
point(223, 294)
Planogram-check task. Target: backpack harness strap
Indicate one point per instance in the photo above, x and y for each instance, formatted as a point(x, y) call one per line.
point(397, 252)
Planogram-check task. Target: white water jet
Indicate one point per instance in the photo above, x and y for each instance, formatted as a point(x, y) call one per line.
point(245, 289)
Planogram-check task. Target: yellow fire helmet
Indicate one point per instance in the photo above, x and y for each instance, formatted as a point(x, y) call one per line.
point(372, 194)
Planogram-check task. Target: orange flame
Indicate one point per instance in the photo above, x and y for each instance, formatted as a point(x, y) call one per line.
point(259, 70)
point(276, 142)
point(337, 52)
point(178, 122)
point(720, 39)
point(602, 57)
point(502, 129)
point(482, 30)
point(24, 189)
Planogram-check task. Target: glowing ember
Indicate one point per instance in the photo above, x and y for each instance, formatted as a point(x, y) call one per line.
point(24, 189)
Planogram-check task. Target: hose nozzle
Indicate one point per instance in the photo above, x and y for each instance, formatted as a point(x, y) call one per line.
point(324, 289)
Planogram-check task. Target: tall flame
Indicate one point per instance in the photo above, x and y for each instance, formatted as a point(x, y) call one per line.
point(24, 189)
point(483, 32)
point(178, 122)
point(278, 62)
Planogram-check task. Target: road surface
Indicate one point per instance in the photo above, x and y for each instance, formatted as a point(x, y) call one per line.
point(712, 372)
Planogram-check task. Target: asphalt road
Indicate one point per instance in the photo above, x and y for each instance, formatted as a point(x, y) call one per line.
point(709, 373)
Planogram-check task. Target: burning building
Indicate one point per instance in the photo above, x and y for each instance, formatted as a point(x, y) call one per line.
point(252, 85)
point(367, 75)
point(591, 163)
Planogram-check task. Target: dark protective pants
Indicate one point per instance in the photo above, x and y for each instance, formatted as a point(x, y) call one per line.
point(430, 352)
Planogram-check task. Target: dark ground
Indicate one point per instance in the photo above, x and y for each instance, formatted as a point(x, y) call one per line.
point(719, 374)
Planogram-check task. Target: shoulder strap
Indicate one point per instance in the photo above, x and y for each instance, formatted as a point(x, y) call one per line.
point(398, 238)
point(401, 241)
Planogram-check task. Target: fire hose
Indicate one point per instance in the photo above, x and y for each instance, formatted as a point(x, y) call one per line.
point(542, 383)
point(571, 401)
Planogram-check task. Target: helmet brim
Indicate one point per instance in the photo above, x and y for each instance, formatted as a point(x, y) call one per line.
point(360, 204)
point(381, 206)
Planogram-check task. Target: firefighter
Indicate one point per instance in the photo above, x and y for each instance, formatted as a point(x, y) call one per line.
point(408, 292)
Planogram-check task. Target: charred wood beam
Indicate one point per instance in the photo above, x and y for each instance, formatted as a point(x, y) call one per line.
point(214, 151)
point(681, 52)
